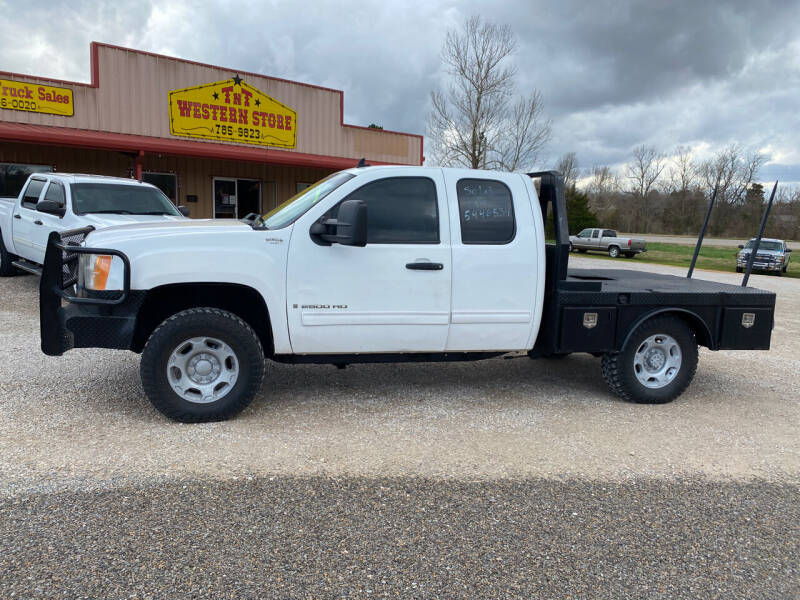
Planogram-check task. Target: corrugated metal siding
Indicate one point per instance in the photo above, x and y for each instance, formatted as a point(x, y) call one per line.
point(133, 99)
point(195, 176)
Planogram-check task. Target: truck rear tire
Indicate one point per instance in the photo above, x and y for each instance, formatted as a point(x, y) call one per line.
point(630, 254)
point(202, 364)
point(613, 251)
point(6, 268)
point(656, 364)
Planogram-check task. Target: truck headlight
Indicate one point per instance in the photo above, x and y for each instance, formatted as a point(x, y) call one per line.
point(100, 272)
point(779, 259)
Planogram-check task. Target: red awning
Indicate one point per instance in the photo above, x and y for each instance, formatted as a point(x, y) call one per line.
point(123, 142)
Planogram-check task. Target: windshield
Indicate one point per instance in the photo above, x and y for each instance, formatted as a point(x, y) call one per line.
point(764, 245)
point(296, 206)
point(113, 198)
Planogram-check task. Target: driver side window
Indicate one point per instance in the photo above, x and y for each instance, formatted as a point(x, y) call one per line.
point(400, 210)
point(55, 193)
point(585, 233)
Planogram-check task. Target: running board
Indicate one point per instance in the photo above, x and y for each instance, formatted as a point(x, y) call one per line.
point(28, 267)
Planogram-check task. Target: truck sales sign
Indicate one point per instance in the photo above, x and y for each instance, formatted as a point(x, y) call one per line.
point(32, 97)
point(232, 111)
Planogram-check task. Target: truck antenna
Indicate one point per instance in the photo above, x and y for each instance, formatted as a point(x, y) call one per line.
point(760, 235)
point(702, 232)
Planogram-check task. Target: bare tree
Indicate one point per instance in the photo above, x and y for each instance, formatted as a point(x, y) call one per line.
point(568, 166)
point(477, 122)
point(602, 187)
point(682, 171)
point(602, 181)
point(644, 172)
point(733, 170)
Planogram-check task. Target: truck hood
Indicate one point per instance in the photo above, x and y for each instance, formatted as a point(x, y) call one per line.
point(162, 228)
point(109, 220)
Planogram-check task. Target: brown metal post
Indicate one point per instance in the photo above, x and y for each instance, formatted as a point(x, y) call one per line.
point(139, 158)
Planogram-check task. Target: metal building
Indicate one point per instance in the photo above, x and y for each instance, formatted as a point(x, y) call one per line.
point(221, 141)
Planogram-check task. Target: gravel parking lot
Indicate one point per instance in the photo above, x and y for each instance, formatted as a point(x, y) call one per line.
point(83, 457)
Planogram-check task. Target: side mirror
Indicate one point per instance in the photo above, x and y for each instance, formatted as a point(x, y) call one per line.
point(51, 208)
point(184, 210)
point(788, 250)
point(741, 246)
point(350, 225)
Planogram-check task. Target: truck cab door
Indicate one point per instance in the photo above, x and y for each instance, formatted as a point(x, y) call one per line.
point(496, 275)
point(392, 295)
point(596, 239)
point(25, 219)
point(49, 222)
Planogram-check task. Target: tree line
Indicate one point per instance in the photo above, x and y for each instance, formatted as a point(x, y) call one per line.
point(657, 193)
point(479, 120)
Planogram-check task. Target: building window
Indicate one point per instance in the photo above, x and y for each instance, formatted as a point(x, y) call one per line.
point(486, 212)
point(166, 182)
point(13, 177)
point(236, 198)
point(299, 187)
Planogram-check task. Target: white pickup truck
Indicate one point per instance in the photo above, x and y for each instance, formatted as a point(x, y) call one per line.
point(607, 240)
point(378, 264)
point(60, 201)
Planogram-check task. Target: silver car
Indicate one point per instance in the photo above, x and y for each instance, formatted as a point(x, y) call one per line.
point(773, 256)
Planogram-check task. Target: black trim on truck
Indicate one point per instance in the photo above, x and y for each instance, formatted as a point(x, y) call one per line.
point(90, 319)
point(615, 302)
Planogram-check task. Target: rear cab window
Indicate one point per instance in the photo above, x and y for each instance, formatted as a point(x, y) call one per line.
point(486, 211)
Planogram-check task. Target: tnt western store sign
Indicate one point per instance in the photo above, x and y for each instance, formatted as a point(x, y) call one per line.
point(224, 142)
point(234, 111)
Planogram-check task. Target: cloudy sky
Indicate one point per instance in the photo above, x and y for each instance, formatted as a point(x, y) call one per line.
point(613, 74)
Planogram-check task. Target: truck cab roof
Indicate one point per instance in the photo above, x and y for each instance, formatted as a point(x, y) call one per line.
point(87, 178)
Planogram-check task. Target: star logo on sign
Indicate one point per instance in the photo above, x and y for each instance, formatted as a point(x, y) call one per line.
point(216, 96)
point(258, 102)
point(237, 80)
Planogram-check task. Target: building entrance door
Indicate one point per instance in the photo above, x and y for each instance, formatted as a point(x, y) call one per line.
point(248, 197)
point(236, 198)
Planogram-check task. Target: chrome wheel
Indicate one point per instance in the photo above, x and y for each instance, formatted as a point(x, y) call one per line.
point(657, 361)
point(202, 370)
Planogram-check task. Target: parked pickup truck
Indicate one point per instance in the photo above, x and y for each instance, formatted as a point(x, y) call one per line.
point(606, 240)
point(772, 256)
point(378, 264)
point(60, 201)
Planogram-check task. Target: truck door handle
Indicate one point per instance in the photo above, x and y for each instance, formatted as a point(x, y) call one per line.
point(17, 217)
point(38, 222)
point(425, 266)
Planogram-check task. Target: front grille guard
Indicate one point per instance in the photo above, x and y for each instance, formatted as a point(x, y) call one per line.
point(60, 271)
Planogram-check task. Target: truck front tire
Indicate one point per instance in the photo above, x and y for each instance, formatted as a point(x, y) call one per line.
point(6, 268)
point(656, 364)
point(202, 364)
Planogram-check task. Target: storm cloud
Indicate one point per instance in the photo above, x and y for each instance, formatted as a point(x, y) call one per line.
point(613, 74)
